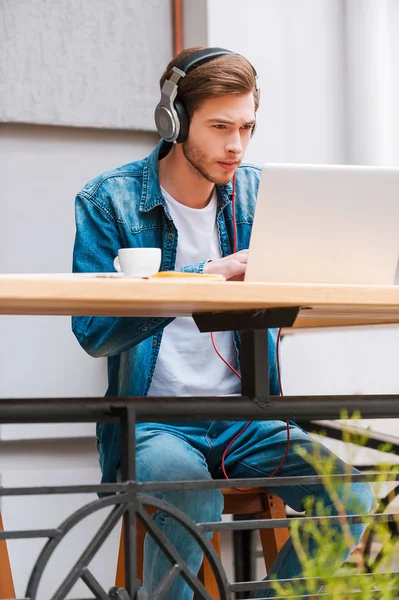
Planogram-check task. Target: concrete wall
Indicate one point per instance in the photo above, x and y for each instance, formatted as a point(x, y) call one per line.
point(89, 63)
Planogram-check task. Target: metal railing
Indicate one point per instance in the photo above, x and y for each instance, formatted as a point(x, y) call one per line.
point(129, 498)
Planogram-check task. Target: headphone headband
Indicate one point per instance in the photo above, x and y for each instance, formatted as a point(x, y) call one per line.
point(188, 63)
point(171, 118)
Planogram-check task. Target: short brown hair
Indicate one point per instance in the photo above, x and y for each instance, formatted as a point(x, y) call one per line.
point(227, 74)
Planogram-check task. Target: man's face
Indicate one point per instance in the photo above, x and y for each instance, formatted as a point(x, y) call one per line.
point(220, 130)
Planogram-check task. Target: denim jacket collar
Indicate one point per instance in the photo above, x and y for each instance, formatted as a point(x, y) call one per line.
point(151, 195)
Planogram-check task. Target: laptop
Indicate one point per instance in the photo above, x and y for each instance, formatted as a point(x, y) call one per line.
point(325, 224)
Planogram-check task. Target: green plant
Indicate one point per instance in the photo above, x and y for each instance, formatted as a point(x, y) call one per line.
point(324, 569)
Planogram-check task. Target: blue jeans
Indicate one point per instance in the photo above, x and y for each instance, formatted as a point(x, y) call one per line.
point(193, 451)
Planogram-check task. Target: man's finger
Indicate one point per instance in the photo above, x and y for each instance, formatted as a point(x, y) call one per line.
point(237, 277)
point(237, 268)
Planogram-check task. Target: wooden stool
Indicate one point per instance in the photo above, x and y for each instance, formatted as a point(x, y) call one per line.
point(6, 582)
point(258, 502)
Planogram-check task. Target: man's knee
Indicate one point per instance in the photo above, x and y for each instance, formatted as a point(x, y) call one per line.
point(167, 458)
point(201, 506)
point(361, 499)
point(356, 497)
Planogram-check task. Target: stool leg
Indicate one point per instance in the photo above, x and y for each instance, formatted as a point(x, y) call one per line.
point(120, 579)
point(140, 535)
point(244, 555)
point(120, 567)
point(141, 532)
point(272, 540)
point(205, 574)
point(6, 582)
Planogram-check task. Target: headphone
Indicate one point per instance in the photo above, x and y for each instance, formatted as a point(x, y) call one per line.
point(171, 116)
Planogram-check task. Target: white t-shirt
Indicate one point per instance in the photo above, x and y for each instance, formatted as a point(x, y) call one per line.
point(187, 363)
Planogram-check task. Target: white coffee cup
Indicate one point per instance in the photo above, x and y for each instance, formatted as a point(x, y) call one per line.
point(139, 262)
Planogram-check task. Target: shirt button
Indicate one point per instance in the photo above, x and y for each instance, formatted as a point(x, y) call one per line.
point(154, 342)
point(171, 236)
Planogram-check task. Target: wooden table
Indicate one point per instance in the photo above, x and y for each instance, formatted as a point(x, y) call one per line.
point(64, 294)
point(321, 305)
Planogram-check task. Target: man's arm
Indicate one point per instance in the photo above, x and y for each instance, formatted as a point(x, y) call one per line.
point(96, 244)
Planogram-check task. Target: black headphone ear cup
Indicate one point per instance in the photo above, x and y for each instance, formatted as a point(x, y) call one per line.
point(184, 121)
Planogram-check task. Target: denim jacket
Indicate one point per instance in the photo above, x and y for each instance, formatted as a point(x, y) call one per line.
point(125, 208)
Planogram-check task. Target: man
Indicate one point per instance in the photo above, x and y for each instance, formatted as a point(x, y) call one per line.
point(180, 199)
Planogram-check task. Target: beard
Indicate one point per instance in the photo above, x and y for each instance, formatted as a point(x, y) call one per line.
point(198, 159)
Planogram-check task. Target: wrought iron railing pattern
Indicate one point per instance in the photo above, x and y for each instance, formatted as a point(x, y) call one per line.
point(128, 499)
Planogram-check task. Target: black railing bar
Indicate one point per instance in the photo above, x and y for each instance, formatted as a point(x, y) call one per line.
point(336, 429)
point(31, 533)
point(94, 586)
point(167, 581)
point(328, 595)
point(231, 525)
point(141, 403)
point(171, 553)
point(250, 482)
point(297, 408)
point(267, 483)
point(246, 586)
point(88, 553)
point(290, 521)
point(103, 488)
point(69, 523)
point(236, 408)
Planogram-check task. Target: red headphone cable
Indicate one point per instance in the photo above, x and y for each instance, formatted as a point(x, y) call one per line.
point(277, 469)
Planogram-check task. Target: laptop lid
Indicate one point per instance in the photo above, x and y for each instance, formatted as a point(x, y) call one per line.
point(325, 224)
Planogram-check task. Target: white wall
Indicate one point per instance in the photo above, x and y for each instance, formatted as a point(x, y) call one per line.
point(328, 88)
point(297, 49)
point(373, 80)
point(328, 76)
point(41, 170)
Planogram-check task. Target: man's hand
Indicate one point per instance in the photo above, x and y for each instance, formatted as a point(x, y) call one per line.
point(232, 267)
